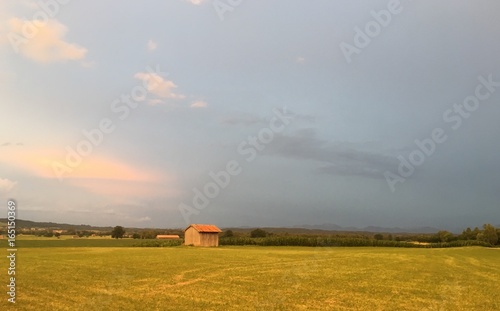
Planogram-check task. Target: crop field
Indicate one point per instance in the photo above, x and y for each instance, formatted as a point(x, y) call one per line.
point(253, 278)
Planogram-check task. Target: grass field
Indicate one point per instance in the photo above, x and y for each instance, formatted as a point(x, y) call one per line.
point(254, 278)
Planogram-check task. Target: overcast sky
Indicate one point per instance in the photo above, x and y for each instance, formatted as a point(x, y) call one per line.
point(122, 112)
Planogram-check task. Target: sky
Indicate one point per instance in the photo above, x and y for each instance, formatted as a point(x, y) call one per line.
point(251, 113)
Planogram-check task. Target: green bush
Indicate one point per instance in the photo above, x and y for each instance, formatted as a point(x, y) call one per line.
point(258, 233)
point(228, 234)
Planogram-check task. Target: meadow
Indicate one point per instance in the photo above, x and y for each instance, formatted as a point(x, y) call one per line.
point(106, 277)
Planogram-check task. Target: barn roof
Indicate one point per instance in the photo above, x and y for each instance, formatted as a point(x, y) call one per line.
point(167, 236)
point(204, 228)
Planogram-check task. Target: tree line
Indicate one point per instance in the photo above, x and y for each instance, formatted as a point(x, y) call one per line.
point(488, 236)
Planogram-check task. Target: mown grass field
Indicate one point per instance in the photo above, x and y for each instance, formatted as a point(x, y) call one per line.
point(254, 278)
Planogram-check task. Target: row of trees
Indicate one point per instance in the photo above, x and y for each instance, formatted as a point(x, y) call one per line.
point(118, 232)
point(54, 233)
point(329, 241)
point(257, 233)
point(489, 235)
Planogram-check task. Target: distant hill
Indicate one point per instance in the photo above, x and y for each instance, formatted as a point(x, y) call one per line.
point(335, 229)
point(20, 223)
point(371, 229)
point(298, 229)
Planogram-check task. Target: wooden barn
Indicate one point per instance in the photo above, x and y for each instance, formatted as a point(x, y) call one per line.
point(167, 237)
point(201, 235)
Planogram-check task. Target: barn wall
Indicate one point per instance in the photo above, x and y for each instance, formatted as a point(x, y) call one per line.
point(191, 236)
point(209, 239)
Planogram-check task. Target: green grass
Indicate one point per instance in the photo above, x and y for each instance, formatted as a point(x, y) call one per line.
point(82, 242)
point(255, 278)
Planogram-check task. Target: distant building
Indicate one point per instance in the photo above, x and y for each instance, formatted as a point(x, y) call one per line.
point(167, 237)
point(201, 235)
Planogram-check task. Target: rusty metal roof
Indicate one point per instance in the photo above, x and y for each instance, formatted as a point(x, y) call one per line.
point(167, 236)
point(204, 228)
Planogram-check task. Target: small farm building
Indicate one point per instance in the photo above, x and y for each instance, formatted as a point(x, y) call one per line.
point(167, 237)
point(201, 235)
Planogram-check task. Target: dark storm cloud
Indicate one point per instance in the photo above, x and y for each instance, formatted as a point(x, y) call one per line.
point(344, 159)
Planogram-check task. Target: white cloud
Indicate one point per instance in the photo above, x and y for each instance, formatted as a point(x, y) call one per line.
point(196, 2)
point(300, 60)
point(199, 104)
point(43, 42)
point(6, 185)
point(158, 86)
point(155, 101)
point(152, 45)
